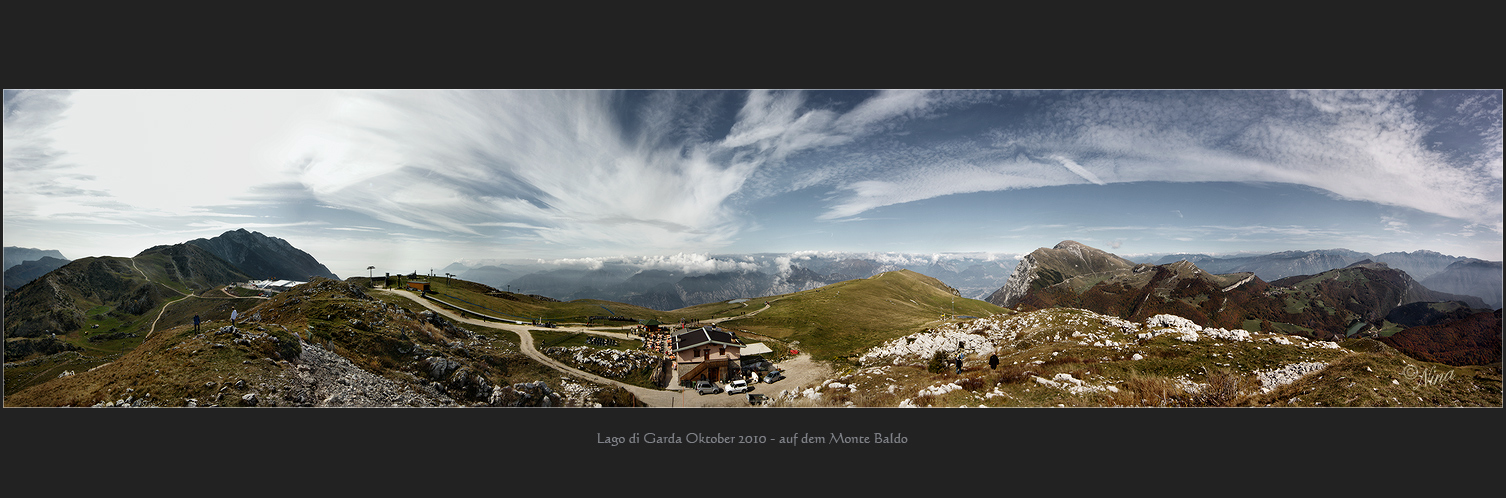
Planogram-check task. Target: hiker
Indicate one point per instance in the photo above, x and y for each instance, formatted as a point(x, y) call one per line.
point(959, 363)
point(993, 361)
point(196, 323)
point(233, 316)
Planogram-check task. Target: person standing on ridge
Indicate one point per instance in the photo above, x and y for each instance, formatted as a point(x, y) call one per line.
point(993, 361)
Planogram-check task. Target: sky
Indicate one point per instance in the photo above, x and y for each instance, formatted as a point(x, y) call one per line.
point(407, 180)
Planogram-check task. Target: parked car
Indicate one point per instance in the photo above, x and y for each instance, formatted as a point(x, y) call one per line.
point(773, 376)
point(705, 387)
point(738, 386)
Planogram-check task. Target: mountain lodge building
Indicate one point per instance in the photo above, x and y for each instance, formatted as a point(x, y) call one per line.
point(707, 353)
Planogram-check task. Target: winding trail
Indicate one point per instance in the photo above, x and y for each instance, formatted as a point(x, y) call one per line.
point(170, 303)
point(164, 307)
point(673, 397)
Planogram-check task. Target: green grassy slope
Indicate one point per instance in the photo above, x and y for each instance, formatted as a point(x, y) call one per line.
point(844, 319)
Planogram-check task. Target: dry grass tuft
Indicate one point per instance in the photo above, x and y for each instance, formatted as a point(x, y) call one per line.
point(1017, 373)
point(971, 383)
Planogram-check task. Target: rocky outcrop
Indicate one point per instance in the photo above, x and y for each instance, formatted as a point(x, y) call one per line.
point(1018, 284)
point(534, 393)
point(324, 378)
point(1287, 374)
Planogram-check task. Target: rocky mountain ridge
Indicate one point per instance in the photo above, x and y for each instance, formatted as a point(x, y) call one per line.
point(27, 271)
point(263, 257)
point(1045, 267)
point(1321, 305)
point(1274, 266)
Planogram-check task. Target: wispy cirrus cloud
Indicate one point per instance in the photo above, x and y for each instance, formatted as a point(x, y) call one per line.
point(29, 117)
point(582, 173)
point(1367, 145)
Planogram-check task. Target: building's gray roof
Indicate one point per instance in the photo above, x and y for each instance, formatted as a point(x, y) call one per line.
point(702, 336)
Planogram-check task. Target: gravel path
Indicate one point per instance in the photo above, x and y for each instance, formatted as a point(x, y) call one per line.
point(798, 370)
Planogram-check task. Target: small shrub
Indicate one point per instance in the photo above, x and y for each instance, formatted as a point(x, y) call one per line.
point(938, 363)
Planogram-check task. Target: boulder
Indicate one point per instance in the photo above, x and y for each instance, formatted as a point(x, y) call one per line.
point(439, 367)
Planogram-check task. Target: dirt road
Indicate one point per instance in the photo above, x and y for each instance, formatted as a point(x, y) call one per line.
point(798, 370)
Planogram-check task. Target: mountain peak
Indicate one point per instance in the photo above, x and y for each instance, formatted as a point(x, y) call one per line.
point(264, 257)
point(1045, 267)
point(1067, 244)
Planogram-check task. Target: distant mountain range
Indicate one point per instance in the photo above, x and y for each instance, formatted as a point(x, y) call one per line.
point(1325, 304)
point(656, 285)
point(24, 264)
point(1472, 277)
point(263, 257)
point(17, 255)
point(1436, 271)
point(1269, 267)
point(667, 287)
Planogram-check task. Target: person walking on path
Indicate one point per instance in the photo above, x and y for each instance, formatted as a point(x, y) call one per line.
point(959, 363)
point(993, 361)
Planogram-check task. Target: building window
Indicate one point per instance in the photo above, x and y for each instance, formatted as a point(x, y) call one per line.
point(695, 353)
point(722, 351)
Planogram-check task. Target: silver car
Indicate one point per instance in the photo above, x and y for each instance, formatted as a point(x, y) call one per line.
point(705, 387)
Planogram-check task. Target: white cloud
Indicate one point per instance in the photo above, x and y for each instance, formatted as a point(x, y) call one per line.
point(1396, 225)
point(694, 264)
point(572, 173)
point(1079, 170)
point(553, 162)
point(1367, 145)
point(933, 181)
